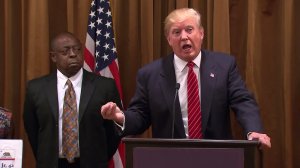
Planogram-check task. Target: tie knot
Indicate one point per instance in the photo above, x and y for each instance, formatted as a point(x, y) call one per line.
point(190, 64)
point(69, 83)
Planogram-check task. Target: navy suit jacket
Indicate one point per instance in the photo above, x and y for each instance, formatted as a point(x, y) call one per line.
point(222, 88)
point(98, 138)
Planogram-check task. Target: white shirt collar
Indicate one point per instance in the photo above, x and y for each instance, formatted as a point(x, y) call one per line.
point(181, 64)
point(76, 79)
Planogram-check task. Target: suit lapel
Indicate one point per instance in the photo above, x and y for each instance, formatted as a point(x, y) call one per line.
point(86, 92)
point(208, 79)
point(51, 92)
point(168, 84)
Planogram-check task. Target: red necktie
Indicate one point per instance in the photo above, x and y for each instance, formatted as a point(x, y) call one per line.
point(194, 110)
point(69, 128)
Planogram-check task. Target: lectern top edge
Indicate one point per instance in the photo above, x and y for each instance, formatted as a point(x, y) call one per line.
point(200, 142)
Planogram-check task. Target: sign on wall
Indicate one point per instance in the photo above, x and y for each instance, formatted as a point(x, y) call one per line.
point(11, 152)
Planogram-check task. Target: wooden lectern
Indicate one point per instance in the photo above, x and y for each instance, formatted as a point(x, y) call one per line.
point(187, 153)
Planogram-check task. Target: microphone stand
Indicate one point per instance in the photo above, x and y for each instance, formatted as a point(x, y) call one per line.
point(174, 103)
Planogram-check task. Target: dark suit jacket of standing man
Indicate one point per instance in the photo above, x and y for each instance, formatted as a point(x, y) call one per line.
point(41, 120)
point(222, 88)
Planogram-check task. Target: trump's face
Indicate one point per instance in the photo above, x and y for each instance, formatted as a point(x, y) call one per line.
point(185, 37)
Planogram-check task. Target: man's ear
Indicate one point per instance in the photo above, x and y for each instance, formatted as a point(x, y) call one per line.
point(202, 33)
point(169, 41)
point(52, 56)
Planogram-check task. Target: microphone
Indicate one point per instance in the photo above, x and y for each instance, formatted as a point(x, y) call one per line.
point(174, 103)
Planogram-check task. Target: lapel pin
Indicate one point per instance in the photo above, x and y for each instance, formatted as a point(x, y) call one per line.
point(212, 75)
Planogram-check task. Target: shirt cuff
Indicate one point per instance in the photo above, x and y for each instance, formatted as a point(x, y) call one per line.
point(249, 133)
point(122, 127)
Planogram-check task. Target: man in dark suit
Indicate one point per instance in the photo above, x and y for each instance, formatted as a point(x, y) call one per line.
point(44, 111)
point(219, 87)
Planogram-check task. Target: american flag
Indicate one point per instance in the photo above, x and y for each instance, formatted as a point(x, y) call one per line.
point(100, 55)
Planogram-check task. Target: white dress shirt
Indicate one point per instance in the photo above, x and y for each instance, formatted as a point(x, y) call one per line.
point(61, 89)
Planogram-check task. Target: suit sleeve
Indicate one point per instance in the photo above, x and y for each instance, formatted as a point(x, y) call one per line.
point(137, 115)
point(243, 102)
point(30, 120)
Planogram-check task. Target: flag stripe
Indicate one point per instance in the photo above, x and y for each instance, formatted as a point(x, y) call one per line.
point(113, 67)
point(89, 59)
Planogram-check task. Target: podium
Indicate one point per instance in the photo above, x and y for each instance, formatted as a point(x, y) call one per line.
point(188, 153)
